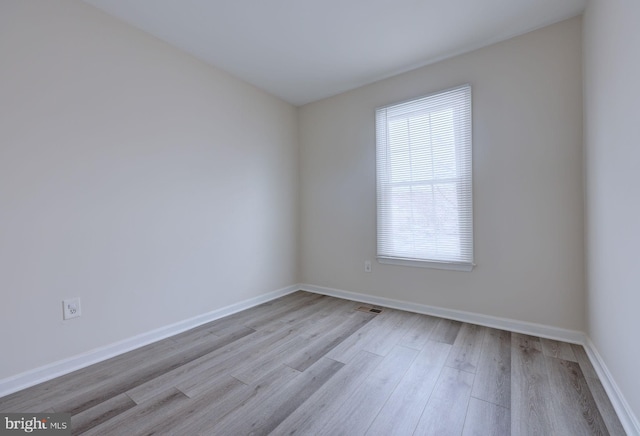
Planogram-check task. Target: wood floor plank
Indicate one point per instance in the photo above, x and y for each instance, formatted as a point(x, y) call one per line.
point(39, 397)
point(297, 310)
point(318, 346)
point(231, 358)
point(605, 407)
point(261, 420)
point(583, 360)
point(252, 370)
point(133, 377)
point(576, 410)
point(196, 415)
point(402, 411)
point(322, 406)
point(378, 336)
point(530, 386)
point(155, 386)
point(229, 323)
point(493, 376)
point(352, 346)
point(195, 334)
point(597, 390)
point(308, 315)
point(446, 331)
point(138, 419)
point(446, 409)
point(212, 364)
point(467, 347)
point(23, 403)
point(394, 326)
point(357, 413)
point(200, 414)
point(560, 350)
point(265, 389)
point(283, 304)
point(100, 413)
point(213, 420)
point(486, 419)
point(418, 335)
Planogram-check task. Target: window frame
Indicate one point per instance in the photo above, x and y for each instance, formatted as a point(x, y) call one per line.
point(464, 177)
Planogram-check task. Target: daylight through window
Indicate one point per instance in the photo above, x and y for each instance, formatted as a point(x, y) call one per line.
point(424, 180)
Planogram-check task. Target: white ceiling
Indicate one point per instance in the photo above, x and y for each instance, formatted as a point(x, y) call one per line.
point(306, 50)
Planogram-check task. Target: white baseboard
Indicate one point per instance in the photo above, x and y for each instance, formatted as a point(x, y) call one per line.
point(512, 325)
point(625, 414)
point(61, 367)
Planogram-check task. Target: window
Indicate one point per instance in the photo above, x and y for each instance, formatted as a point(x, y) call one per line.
point(423, 150)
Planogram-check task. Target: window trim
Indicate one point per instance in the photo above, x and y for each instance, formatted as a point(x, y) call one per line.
point(451, 266)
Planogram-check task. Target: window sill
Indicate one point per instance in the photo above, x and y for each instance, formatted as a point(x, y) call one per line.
point(427, 264)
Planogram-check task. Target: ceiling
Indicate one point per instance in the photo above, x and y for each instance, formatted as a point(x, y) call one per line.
point(306, 50)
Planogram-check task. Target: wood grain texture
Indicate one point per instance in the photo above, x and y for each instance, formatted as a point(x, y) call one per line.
point(310, 364)
point(568, 386)
point(288, 314)
point(493, 376)
point(393, 325)
point(148, 388)
point(100, 413)
point(356, 415)
point(558, 349)
point(530, 387)
point(467, 346)
point(584, 362)
point(605, 407)
point(261, 420)
point(39, 397)
point(252, 370)
point(139, 419)
point(598, 392)
point(319, 344)
point(402, 411)
point(446, 409)
point(486, 419)
point(225, 395)
point(446, 331)
point(321, 407)
point(250, 415)
point(418, 335)
point(378, 336)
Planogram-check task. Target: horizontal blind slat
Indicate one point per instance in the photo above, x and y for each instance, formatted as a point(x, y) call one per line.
point(424, 178)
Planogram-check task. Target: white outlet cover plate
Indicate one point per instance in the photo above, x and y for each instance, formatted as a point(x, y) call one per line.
point(71, 308)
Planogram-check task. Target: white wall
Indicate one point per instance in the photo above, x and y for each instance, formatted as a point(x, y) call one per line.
point(527, 103)
point(612, 149)
point(152, 186)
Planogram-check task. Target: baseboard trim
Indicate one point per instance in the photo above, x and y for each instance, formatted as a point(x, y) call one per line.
point(625, 414)
point(47, 372)
point(512, 325)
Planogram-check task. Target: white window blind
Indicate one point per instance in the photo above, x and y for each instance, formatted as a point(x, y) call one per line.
point(424, 191)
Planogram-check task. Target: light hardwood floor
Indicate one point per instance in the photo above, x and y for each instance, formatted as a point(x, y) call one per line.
point(316, 365)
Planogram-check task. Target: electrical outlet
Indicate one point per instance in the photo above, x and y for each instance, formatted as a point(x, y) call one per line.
point(367, 266)
point(71, 308)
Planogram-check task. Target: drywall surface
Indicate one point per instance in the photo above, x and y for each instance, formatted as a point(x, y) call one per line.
point(133, 176)
point(612, 157)
point(528, 198)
